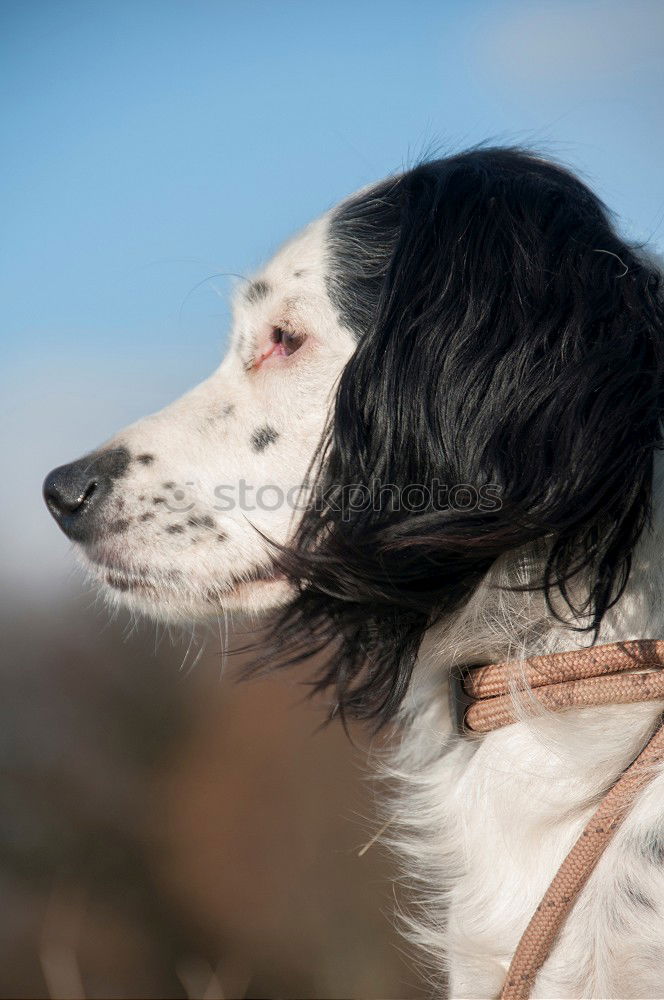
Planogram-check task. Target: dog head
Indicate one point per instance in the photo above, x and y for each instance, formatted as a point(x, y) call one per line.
point(454, 365)
point(172, 515)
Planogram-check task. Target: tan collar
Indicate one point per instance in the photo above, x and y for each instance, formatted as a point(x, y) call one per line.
point(616, 674)
point(619, 673)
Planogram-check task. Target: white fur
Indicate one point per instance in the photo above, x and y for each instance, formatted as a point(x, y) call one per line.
point(482, 824)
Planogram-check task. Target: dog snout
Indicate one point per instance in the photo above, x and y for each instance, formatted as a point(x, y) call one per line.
point(75, 494)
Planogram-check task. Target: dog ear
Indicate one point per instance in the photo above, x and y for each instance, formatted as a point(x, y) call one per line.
point(510, 345)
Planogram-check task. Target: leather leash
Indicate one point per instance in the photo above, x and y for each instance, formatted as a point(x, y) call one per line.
point(619, 673)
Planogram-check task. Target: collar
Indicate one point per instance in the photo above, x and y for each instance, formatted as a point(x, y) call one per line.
point(618, 673)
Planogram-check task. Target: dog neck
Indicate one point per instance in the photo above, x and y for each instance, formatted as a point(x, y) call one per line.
point(486, 822)
point(503, 622)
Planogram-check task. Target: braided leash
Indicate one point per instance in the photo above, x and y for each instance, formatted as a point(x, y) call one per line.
point(615, 674)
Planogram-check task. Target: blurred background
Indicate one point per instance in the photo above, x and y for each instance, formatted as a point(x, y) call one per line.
point(163, 830)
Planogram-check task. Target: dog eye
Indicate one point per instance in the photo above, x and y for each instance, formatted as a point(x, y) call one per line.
point(287, 341)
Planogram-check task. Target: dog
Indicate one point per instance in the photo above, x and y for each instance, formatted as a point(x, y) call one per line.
point(434, 442)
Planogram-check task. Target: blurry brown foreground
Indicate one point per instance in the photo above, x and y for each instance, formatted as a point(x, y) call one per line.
point(167, 833)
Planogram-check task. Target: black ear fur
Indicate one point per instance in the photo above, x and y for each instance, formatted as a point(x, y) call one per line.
point(507, 336)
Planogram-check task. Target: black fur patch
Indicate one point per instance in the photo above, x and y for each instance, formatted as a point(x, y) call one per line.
point(118, 526)
point(145, 459)
point(637, 898)
point(200, 521)
point(653, 851)
point(363, 235)
point(263, 436)
point(175, 529)
point(147, 516)
point(256, 291)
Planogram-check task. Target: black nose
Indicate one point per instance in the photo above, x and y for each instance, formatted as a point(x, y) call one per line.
point(75, 493)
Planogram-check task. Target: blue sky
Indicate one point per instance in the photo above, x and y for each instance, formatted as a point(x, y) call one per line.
point(149, 146)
